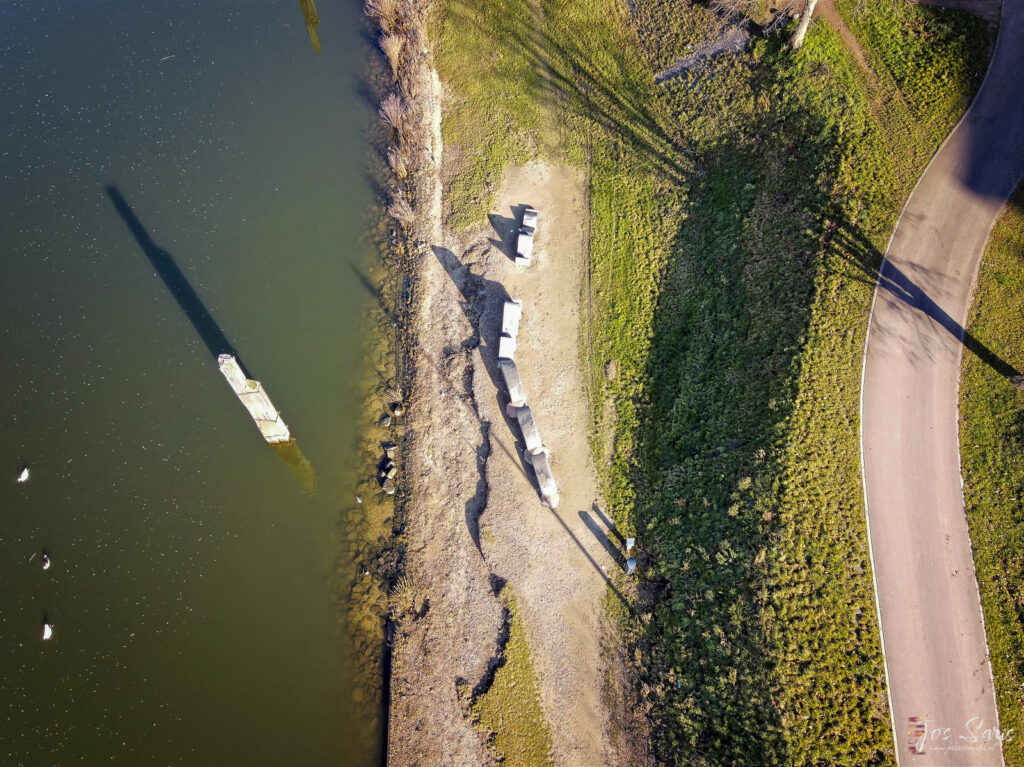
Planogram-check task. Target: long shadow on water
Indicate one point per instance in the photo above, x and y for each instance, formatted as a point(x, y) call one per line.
point(205, 325)
point(178, 285)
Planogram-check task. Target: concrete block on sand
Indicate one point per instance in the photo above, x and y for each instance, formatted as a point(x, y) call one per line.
point(524, 245)
point(513, 382)
point(510, 316)
point(531, 434)
point(506, 348)
point(545, 479)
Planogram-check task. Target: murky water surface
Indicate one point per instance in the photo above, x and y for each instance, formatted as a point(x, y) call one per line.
point(197, 586)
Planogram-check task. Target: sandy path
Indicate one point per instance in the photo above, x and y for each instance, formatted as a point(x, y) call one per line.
point(554, 561)
point(453, 638)
point(474, 517)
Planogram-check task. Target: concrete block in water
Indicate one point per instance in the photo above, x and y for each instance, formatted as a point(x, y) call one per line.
point(251, 394)
point(531, 434)
point(545, 478)
point(506, 348)
point(510, 316)
point(513, 383)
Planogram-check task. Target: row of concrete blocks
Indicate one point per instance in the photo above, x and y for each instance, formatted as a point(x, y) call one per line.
point(517, 408)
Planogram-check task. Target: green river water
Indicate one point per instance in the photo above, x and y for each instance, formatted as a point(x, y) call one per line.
point(199, 583)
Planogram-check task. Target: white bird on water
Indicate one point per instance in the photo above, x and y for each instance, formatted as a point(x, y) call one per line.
point(47, 631)
point(23, 477)
point(46, 562)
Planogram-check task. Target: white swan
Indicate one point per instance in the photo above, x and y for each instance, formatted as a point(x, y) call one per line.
point(46, 562)
point(47, 631)
point(23, 477)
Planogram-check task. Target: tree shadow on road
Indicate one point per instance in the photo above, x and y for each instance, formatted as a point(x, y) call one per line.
point(870, 267)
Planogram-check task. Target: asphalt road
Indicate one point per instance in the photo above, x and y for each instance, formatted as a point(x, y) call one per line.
point(940, 681)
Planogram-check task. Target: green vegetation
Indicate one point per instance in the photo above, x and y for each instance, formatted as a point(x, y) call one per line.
point(738, 214)
point(992, 449)
point(510, 708)
point(492, 113)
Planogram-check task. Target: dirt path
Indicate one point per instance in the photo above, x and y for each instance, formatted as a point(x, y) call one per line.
point(452, 636)
point(474, 517)
point(827, 10)
point(556, 562)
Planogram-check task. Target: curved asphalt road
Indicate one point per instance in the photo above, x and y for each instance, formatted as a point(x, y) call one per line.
point(933, 634)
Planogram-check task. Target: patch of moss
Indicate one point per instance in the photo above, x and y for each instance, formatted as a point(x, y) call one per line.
point(510, 710)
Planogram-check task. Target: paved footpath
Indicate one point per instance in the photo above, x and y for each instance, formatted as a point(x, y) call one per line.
point(940, 681)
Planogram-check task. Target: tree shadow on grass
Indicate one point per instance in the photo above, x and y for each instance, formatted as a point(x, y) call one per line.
point(720, 356)
point(617, 97)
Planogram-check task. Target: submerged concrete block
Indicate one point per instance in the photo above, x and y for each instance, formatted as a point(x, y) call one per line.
point(513, 383)
point(511, 313)
point(545, 478)
point(506, 347)
point(531, 434)
point(252, 396)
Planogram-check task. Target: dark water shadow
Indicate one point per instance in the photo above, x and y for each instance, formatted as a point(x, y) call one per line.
point(371, 290)
point(177, 284)
point(209, 331)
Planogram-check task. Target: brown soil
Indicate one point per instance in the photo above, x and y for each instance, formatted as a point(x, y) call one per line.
point(827, 10)
point(558, 562)
point(474, 517)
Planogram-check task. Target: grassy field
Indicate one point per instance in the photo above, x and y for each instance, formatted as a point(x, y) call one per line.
point(738, 212)
point(992, 449)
